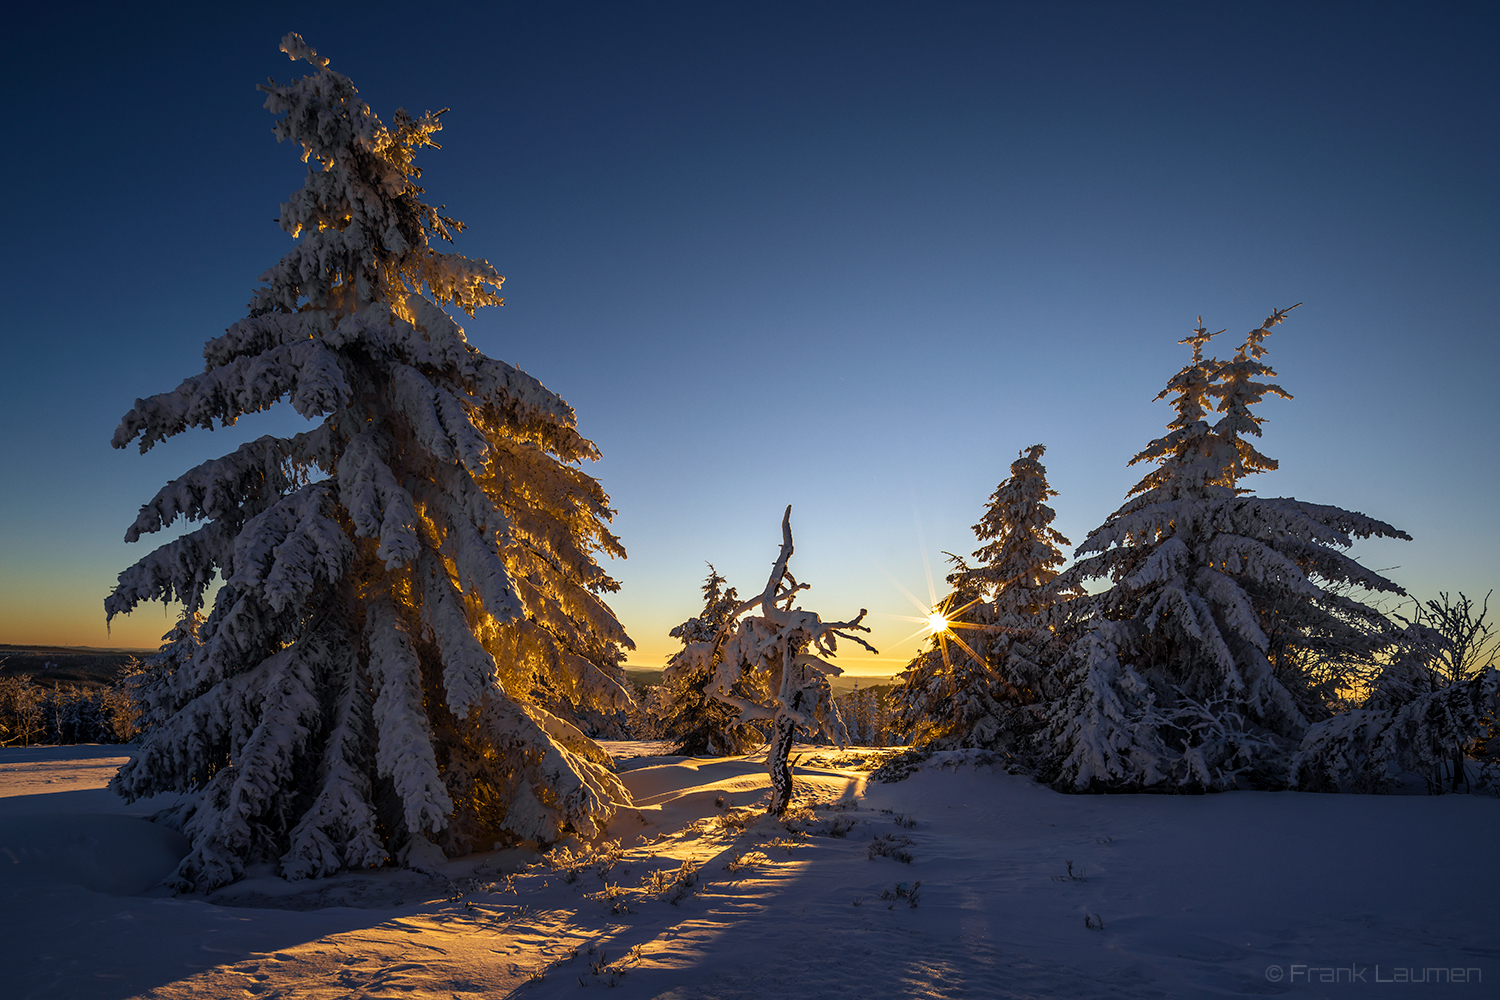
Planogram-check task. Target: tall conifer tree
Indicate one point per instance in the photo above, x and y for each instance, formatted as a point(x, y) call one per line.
point(1175, 683)
point(406, 585)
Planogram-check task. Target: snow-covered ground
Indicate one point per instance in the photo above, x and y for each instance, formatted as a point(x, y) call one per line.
point(1236, 894)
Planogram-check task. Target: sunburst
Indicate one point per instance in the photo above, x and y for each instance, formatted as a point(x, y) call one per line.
point(939, 620)
point(937, 617)
point(941, 625)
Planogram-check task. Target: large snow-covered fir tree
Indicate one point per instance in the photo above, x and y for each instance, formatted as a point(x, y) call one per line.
point(991, 654)
point(405, 586)
point(770, 667)
point(699, 723)
point(1195, 667)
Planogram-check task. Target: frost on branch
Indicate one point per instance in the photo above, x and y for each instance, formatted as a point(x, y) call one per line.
point(410, 621)
point(770, 666)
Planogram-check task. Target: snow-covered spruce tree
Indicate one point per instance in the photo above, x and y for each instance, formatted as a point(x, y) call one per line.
point(404, 586)
point(1177, 682)
point(994, 657)
point(701, 724)
point(149, 682)
point(769, 666)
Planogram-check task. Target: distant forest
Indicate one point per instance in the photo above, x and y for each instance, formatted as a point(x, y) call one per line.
point(78, 665)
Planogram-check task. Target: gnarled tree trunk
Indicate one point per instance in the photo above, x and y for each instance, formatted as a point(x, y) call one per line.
point(776, 763)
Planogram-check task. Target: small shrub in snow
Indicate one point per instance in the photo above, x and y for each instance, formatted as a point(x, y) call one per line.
point(807, 821)
point(1072, 875)
point(571, 865)
point(686, 879)
point(614, 895)
point(787, 844)
point(740, 861)
point(840, 826)
point(1368, 749)
point(893, 846)
point(901, 892)
point(675, 885)
point(600, 967)
point(736, 820)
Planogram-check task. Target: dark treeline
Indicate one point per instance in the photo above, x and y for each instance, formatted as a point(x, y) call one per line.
point(37, 709)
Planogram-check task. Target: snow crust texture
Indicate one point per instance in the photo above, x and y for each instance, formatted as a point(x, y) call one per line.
point(960, 880)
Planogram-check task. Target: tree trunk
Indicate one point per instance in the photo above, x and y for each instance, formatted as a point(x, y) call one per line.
point(776, 763)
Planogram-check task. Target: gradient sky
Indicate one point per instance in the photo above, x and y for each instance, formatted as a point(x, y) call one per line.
point(850, 257)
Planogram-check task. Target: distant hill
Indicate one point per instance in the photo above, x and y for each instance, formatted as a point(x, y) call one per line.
point(644, 675)
point(52, 665)
point(841, 685)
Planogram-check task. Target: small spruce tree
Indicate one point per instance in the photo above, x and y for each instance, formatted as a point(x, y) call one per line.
point(993, 656)
point(700, 724)
point(406, 585)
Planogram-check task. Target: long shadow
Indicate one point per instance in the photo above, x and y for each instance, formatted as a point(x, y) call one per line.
point(82, 913)
point(750, 884)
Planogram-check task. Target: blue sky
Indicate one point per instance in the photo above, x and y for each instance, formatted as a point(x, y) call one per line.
point(850, 257)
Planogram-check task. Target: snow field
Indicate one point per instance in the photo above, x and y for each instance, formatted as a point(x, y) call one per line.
point(694, 895)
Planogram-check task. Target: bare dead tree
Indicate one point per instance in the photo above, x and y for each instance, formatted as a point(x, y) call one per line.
point(775, 657)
